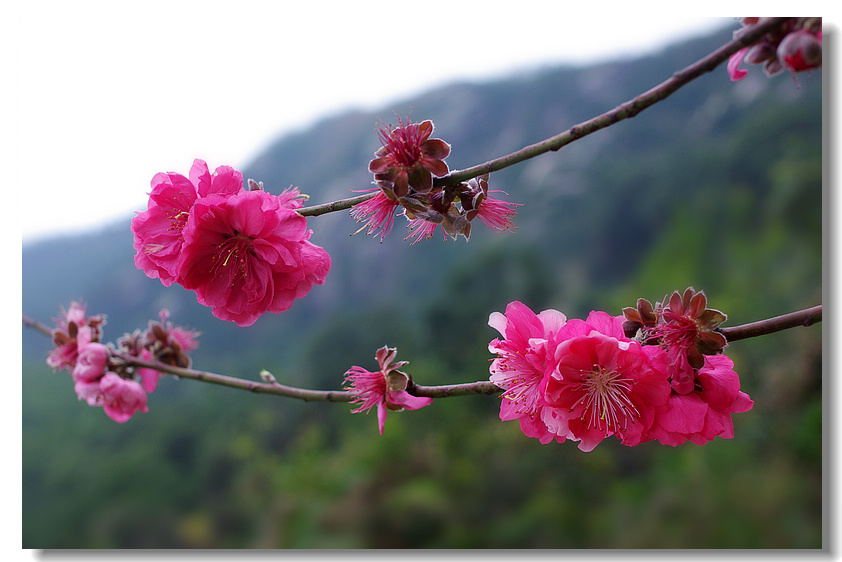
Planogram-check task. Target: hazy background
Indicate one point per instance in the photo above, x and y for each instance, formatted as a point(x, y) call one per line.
point(718, 187)
point(112, 93)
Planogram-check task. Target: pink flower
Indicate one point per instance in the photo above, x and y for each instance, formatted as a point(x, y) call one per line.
point(422, 229)
point(90, 392)
point(705, 413)
point(158, 230)
point(409, 158)
point(91, 363)
point(247, 255)
point(496, 214)
point(524, 359)
point(378, 214)
point(603, 384)
point(73, 331)
point(385, 388)
point(121, 398)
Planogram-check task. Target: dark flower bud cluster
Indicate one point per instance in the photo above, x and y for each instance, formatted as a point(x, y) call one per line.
point(684, 326)
point(404, 168)
point(161, 341)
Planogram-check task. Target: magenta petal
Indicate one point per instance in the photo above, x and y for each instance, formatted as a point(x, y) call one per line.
point(225, 181)
point(200, 176)
point(382, 412)
point(734, 63)
point(408, 401)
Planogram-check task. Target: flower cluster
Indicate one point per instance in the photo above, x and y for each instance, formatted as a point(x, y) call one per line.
point(386, 388)
point(101, 376)
point(404, 167)
point(586, 380)
point(795, 47)
point(243, 252)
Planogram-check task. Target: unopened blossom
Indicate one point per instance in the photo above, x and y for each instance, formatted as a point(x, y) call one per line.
point(523, 362)
point(247, 255)
point(158, 230)
point(704, 413)
point(91, 363)
point(378, 213)
point(121, 398)
point(796, 46)
point(409, 158)
point(603, 384)
point(801, 50)
point(385, 389)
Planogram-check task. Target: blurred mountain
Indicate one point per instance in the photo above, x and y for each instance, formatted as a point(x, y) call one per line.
point(718, 187)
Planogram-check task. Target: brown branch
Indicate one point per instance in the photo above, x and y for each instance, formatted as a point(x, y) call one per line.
point(339, 205)
point(805, 317)
point(242, 384)
point(623, 111)
point(38, 326)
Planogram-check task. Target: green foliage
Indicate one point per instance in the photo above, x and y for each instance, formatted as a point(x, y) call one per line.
point(703, 190)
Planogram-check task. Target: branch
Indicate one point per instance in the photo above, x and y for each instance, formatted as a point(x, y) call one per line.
point(38, 326)
point(623, 111)
point(805, 317)
point(243, 384)
point(339, 205)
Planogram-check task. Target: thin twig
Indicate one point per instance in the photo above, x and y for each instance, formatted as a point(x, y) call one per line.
point(36, 325)
point(339, 205)
point(805, 317)
point(243, 384)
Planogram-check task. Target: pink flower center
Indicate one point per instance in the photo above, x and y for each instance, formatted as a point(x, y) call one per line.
point(231, 257)
point(178, 219)
point(605, 398)
point(404, 145)
point(679, 332)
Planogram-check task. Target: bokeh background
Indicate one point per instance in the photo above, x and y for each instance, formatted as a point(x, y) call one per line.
point(719, 187)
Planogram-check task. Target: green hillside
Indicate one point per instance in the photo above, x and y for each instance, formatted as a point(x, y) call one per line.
point(718, 187)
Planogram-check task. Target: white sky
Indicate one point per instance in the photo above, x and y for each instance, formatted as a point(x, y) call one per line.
point(106, 94)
